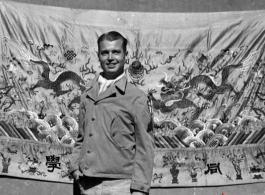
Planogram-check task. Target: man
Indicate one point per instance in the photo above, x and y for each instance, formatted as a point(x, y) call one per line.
point(114, 150)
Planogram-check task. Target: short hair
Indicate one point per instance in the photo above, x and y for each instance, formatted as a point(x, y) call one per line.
point(112, 36)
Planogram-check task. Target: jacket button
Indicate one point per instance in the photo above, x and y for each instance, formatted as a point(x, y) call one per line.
point(90, 134)
point(86, 168)
point(114, 134)
point(93, 119)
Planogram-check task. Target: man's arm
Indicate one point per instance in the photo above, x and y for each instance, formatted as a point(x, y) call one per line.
point(78, 144)
point(144, 157)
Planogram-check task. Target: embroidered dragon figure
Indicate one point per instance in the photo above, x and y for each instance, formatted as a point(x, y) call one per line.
point(55, 85)
point(174, 94)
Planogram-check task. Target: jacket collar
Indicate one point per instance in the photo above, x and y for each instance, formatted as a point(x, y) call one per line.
point(92, 88)
point(121, 84)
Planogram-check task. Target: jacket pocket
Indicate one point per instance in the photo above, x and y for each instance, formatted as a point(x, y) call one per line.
point(116, 131)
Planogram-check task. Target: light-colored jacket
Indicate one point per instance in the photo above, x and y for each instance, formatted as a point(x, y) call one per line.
point(115, 134)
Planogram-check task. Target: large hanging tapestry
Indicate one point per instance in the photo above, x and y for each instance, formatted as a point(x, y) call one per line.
point(203, 71)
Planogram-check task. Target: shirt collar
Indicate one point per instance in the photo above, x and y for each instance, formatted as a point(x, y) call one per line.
point(120, 84)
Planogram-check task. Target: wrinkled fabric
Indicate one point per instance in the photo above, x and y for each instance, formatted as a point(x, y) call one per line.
point(205, 71)
point(197, 67)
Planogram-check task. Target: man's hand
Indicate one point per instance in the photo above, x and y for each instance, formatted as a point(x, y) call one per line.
point(138, 193)
point(77, 174)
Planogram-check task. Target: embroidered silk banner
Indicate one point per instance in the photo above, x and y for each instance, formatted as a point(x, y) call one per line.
point(30, 159)
point(172, 167)
point(203, 71)
point(208, 166)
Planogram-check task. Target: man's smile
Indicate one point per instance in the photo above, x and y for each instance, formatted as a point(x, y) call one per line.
point(111, 65)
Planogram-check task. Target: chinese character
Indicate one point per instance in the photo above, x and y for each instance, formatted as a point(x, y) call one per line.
point(53, 162)
point(213, 168)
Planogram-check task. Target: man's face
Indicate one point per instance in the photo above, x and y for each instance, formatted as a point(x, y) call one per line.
point(112, 58)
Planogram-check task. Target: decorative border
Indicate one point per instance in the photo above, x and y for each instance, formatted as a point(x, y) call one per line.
point(172, 167)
